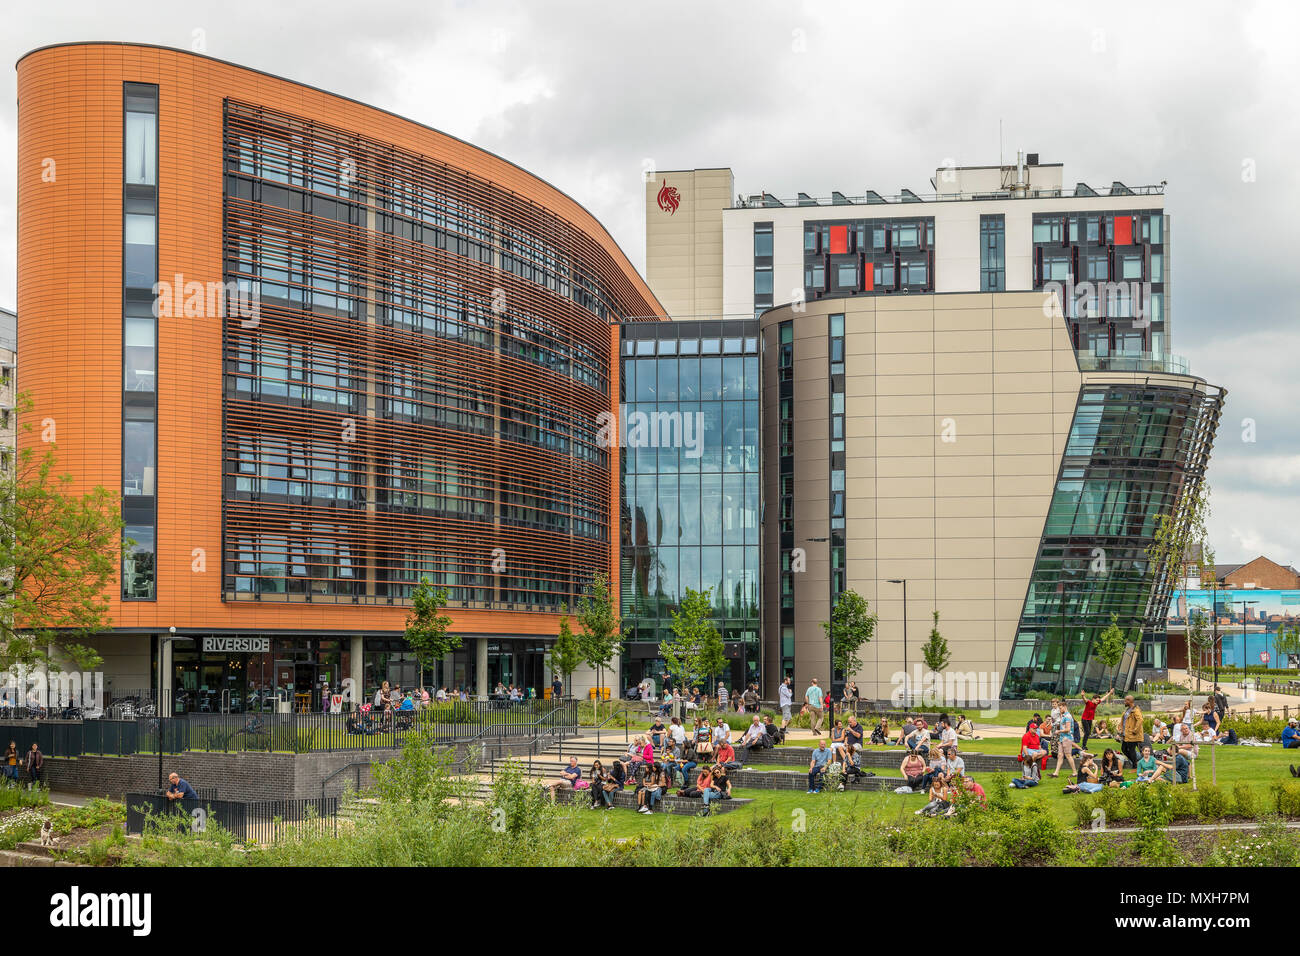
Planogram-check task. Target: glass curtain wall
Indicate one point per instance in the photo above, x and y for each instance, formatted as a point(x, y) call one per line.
point(690, 486)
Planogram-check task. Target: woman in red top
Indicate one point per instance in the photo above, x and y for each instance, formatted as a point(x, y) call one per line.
point(1090, 713)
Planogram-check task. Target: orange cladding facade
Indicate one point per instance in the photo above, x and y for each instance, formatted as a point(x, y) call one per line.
point(70, 308)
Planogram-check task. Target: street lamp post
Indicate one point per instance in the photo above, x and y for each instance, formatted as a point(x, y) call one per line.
point(903, 582)
point(163, 642)
point(1245, 657)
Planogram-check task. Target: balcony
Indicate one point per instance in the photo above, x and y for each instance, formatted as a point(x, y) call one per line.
point(1134, 362)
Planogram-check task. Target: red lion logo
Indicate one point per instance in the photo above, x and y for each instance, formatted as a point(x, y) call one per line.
point(669, 198)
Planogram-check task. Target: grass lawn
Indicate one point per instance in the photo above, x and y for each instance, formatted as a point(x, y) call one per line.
point(1255, 767)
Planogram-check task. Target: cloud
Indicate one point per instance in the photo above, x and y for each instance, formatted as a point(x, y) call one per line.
point(815, 97)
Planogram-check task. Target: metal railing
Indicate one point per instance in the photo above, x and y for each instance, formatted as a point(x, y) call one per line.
point(290, 733)
point(259, 821)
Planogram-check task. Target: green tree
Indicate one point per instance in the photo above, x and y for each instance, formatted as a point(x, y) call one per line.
point(426, 627)
point(565, 655)
point(935, 651)
point(601, 634)
point(1286, 641)
point(854, 625)
point(693, 633)
point(60, 552)
point(1110, 644)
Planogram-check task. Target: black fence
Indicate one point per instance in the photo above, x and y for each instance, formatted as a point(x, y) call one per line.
point(260, 821)
point(293, 733)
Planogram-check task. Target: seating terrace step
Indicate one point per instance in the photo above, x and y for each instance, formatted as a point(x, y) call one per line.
point(669, 804)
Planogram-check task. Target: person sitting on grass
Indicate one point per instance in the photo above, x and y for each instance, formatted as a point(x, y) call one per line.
point(1174, 765)
point(1291, 735)
point(965, 729)
point(905, 731)
point(775, 734)
point(976, 792)
point(1185, 741)
point(1148, 768)
point(1112, 769)
point(913, 770)
point(880, 732)
point(940, 799)
point(1159, 730)
point(1102, 730)
point(817, 766)
point(1030, 775)
point(1089, 777)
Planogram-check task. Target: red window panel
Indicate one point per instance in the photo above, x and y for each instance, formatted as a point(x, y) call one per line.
point(868, 277)
point(839, 239)
point(1123, 230)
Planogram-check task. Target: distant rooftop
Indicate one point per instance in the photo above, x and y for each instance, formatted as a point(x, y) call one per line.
point(1027, 178)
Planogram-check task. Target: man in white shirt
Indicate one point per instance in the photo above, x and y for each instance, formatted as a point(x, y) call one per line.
point(947, 736)
point(721, 732)
point(753, 736)
point(785, 695)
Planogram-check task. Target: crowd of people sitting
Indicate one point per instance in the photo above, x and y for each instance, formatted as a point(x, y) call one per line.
point(1164, 753)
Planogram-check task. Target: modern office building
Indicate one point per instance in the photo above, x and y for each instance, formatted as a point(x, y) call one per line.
point(970, 391)
point(324, 351)
point(689, 510)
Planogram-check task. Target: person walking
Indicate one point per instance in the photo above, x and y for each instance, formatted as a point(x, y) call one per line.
point(814, 697)
point(785, 696)
point(10, 766)
point(1131, 731)
point(34, 765)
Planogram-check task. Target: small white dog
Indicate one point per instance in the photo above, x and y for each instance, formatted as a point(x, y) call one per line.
point(47, 833)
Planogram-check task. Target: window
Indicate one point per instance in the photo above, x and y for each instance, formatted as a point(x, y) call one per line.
point(1097, 268)
point(847, 275)
point(141, 161)
point(762, 239)
point(1157, 267)
point(907, 236)
point(138, 565)
point(1056, 268)
point(140, 355)
point(993, 276)
point(763, 281)
point(884, 277)
point(138, 458)
point(140, 267)
point(1047, 229)
point(1131, 267)
point(814, 276)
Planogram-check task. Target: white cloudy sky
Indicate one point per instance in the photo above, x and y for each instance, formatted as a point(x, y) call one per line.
point(849, 96)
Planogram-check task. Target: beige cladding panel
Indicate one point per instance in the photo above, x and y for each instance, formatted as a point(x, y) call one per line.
point(957, 412)
point(684, 247)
